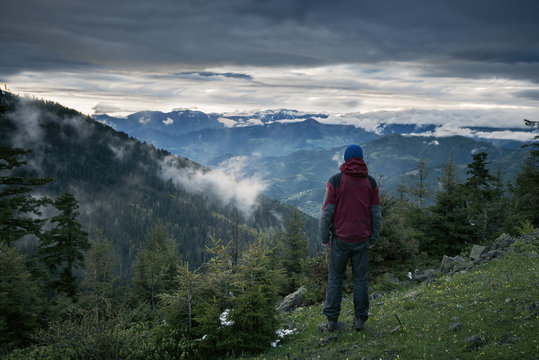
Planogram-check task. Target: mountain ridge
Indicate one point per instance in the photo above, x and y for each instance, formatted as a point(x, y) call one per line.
point(277, 151)
point(124, 186)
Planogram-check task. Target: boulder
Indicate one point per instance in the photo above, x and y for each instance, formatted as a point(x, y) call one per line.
point(292, 301)
point(503, 242)
point(425, 275)
point(451, 265)
point(391, 279)
point(477, 252)
point(492, 254)
point(474, 341)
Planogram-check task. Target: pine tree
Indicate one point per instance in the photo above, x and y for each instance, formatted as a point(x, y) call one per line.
point(156, 265)
point(100, 280)
point(448, 229)
point(20, 213)
point(294, 250)
point(419, 189)
point(61, 248)
point(21, 301)
point(178, 305)
point(236, 245)
point(479, 194)
point(525, 201)
point(254, 315)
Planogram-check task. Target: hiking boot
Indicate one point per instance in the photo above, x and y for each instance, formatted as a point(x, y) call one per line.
point(359, 323)
point(332, 324)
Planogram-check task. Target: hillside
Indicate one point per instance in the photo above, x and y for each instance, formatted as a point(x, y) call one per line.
point(124, 187)
point(488, 312)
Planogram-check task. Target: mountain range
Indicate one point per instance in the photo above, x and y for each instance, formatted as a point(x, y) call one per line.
point(294, 153)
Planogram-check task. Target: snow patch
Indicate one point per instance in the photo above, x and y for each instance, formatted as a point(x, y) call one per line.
point(281, 333)
point(224, 318)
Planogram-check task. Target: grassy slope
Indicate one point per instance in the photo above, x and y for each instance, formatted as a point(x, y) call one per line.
point(496, 301)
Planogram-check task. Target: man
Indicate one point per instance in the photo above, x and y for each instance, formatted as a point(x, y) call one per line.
point(351, 218)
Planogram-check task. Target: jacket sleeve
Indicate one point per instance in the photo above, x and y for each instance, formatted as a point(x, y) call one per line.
point(376, 216)
point(326, 216)
point(376, 223)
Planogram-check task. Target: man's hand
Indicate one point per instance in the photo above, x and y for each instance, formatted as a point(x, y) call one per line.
point(371, 246)
point(325, 245)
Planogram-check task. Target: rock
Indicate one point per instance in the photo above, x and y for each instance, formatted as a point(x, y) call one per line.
point(504, 241)
point(424, 275)
point(492, 254)
point(455, 326)
point(446, 265)
point(325, 341)
point(395, 329)
point(292, 301)
point(412, 294)
point(533, 310)
point(461, 263)
point(323, 327)
point(376, 295)
point(474, 341)
point(391, 279)
point(451, 265)
point(477, 252)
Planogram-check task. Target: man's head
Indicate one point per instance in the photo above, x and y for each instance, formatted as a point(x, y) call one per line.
point(353, 151)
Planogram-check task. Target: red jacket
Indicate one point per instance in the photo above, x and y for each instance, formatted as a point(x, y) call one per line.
point(350, 199)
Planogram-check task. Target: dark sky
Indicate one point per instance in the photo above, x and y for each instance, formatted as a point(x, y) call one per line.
point(471, 39)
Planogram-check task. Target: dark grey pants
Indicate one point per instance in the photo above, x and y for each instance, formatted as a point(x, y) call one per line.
point(358, 253)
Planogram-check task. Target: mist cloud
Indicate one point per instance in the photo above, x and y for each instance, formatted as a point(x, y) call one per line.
point(216, 183)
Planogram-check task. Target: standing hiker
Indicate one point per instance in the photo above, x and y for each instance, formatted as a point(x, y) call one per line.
point(351, 218)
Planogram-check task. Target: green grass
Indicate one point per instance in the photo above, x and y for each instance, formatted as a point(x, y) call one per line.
point(496, 301)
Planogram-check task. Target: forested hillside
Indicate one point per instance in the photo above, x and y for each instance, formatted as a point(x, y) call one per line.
point(124, 187)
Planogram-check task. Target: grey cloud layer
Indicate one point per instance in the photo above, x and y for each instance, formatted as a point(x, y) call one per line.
point(449, 37)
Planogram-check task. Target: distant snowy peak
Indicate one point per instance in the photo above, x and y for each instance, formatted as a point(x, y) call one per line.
point(182, 121)
point(268, 117)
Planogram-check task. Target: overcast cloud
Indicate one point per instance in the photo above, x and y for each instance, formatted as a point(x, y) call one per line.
point(332, 56)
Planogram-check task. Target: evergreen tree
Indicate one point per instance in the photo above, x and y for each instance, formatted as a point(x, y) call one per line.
point(399, 236)
point(479, 194)
point(100, 280)
point(21, 301)
point(448, 228)
point(525, 201)
point(419, 189)
point(254, 315)
point(497, 207)
point(218, 271)
point(62, 248)
point(294, 250)
point(19, 211)
point(235, 235)
point(156, 265)
point(178, 305)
